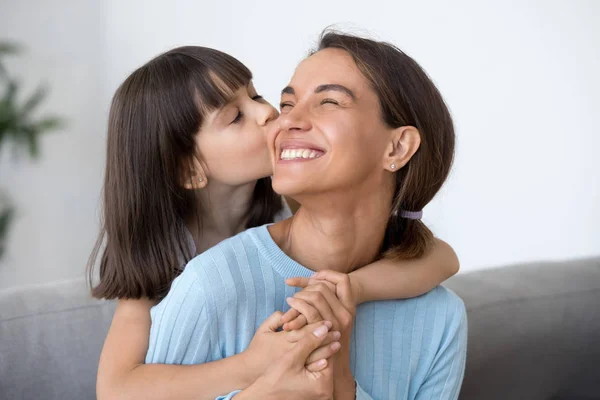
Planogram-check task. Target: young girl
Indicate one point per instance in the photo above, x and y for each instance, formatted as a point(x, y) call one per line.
point(187, 167)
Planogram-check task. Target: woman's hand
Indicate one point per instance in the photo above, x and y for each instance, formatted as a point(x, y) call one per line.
point(289, 378)
point(270, 344)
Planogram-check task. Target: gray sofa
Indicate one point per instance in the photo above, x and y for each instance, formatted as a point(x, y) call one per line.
point(534, 334)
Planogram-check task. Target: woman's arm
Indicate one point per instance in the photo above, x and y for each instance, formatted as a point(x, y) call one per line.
point(388, 279)
point(122, 373)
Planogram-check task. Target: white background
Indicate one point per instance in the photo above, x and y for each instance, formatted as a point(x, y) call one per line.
point(521, 78)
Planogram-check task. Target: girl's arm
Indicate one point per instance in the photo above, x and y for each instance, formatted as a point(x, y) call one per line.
point(388, 279)
point(122, 373)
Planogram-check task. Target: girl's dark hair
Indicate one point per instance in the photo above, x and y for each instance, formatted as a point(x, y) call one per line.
point(407, 98)
point(154, 118)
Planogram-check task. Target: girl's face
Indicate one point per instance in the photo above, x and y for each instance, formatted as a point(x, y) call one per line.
point(232, 141)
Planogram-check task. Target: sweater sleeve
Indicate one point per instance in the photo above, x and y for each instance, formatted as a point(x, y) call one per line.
point(180, 330)
point(445, 378)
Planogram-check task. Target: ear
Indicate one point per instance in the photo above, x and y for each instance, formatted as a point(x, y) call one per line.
point(193, 175)
point(404, 143)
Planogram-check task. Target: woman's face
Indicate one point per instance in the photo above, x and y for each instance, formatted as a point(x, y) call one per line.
point(332, 136)
point(233, 139)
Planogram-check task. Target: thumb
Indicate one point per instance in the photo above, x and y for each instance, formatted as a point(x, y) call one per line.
point(309, 343)
point(272, 323)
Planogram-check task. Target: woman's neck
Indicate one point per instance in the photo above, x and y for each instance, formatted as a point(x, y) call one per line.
point(340, 232)
point(224, 213)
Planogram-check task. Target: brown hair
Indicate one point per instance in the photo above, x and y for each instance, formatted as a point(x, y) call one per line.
point(154, 118)
point(407, 98)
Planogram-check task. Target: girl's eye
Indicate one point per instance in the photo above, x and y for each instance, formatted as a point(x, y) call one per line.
point(238, 117)
point(330, 101)
point(283, 105)
point(257, 97)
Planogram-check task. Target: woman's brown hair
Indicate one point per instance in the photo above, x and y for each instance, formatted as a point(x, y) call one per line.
point(407, 97)
point(154, 118)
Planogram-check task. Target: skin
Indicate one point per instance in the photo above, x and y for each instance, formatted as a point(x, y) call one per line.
point(233, 152)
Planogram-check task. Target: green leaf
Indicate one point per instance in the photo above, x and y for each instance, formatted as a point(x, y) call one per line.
point(6, 217)
point(10, 94)
point(33, 101)
point(48, 124)
point(9, 48)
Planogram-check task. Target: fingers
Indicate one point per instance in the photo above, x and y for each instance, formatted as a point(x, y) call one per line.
point(323, 352)
point(340, 284)
point(301, 282)
point(331, 276)
point(272, 323)
point(290, 315)
point(296, 335)
point(298, 323)
point(311, 312)
point(340, 280)
point(297, 282)
point(309, 343)
point(317, 366)
point(312, 302)
point(320, 297)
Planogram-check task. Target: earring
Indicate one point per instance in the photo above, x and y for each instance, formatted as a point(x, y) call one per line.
point(200, 179)
point(393, 166)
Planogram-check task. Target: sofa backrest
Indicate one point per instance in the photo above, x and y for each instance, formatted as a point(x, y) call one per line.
point(534, 333)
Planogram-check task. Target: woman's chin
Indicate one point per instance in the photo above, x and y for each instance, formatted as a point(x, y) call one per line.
point(287, 186)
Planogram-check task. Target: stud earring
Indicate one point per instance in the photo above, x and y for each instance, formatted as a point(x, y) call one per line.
point(393, 166)
point(200, 179)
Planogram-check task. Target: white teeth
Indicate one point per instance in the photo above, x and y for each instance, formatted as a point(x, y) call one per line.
point(291, 154)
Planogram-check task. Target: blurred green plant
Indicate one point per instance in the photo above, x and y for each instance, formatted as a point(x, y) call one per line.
point(19, 126)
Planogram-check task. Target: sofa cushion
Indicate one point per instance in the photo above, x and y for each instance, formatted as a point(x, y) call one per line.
point(50, 341)
point(534, 331)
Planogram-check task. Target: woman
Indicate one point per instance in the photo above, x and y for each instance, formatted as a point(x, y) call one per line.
point(384, 142)
point(188, 166)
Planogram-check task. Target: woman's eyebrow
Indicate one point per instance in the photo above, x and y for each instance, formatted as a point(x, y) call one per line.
point(324, 88)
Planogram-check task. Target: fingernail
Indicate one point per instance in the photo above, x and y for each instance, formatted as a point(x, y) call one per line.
point(321, 331)
point(321, 363)
point(335, 346)
point(328, 324)
point(289, 299)
point(337, 335)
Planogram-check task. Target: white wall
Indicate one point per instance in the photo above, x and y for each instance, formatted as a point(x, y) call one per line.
point(520, 78)
point(57, 196)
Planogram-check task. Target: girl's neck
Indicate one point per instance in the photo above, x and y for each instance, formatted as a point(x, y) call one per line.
point(224, 213)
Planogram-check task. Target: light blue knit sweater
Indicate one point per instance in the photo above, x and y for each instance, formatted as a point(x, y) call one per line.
point(401, 349)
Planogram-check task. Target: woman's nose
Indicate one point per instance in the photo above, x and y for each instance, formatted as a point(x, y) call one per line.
point(295, 120)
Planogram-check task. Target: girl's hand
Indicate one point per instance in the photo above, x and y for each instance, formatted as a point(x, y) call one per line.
point(270, 344)
point(349, 288)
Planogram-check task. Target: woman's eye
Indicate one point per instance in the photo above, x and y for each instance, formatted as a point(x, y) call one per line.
point(283, 105)
point(257, 97)
point(238, 117)
point(330, 101)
